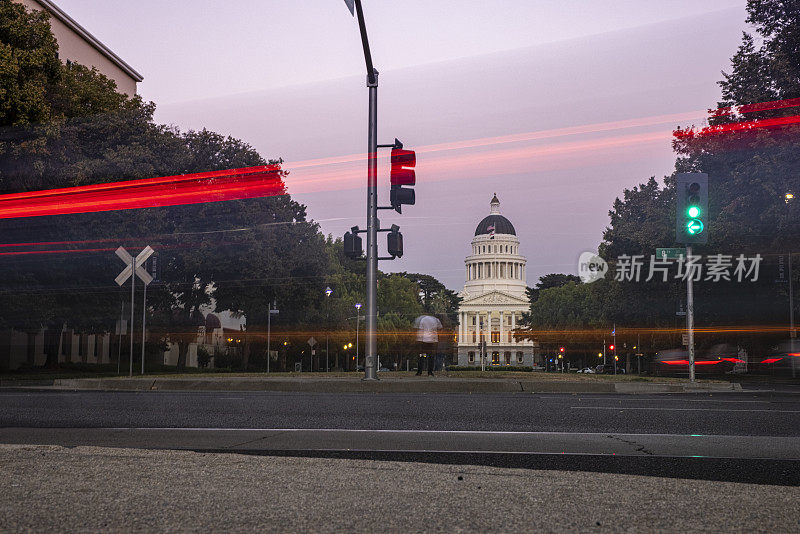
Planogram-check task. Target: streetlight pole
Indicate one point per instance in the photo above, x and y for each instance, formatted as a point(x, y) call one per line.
point(604, 352)
point(358, 319)
point(372, 199)
point(615, 347)
point(272, 309)
point(328, 292)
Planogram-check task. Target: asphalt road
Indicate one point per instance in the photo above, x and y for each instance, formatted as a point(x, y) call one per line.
point(743, 437)
point(740, 414)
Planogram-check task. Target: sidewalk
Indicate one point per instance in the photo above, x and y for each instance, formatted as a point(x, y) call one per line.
point(57, 489)
point(439, 384)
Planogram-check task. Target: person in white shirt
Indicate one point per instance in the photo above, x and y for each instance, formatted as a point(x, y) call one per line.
point(427, 340)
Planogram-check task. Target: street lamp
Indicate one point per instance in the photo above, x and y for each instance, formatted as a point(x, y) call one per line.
point(328, 292)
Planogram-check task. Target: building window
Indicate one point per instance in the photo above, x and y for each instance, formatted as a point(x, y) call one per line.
point(495, 357)
point(509, 337)
point(471, 356)
point(519, 356)
point(474, 337)
point(474, 319)
point(495, 336)
point(507, 356)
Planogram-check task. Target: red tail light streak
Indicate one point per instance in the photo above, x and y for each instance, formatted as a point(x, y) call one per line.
point(196, 188)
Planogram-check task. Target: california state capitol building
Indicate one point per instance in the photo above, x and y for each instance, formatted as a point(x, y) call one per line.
point(494, 297)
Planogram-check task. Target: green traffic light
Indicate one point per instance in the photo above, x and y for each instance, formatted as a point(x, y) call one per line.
point(694, 227)
point(693, 212)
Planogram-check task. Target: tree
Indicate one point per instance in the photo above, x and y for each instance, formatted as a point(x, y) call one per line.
point(70, 127)
point(751, 161)
point(436, 298)
point(30, 67)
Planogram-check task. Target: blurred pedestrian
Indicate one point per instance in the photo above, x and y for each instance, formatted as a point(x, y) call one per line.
point(427, 341)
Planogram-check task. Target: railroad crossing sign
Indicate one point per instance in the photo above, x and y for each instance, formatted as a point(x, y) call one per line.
point(141, 272)
point(135, 265)
point(312, 341)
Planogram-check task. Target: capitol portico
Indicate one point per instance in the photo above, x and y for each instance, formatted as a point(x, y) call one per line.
point(494, 296)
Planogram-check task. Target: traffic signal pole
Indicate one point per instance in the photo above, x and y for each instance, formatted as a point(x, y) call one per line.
point(371, 348)
point(690, 316)
point(372, 223)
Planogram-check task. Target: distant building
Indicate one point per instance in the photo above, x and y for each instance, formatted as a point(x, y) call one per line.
point(78, 45)
point(494, 296)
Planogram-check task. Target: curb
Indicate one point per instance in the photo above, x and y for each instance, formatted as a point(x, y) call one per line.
point(447, 385)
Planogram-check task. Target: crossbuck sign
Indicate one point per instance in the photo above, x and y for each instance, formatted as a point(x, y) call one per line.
point(141, 272)
point(135, 265)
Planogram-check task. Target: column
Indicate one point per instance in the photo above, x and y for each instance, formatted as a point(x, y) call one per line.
point(502, 331)
point(513, 327)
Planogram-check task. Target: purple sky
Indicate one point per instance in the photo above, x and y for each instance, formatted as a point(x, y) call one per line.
point(592, 87)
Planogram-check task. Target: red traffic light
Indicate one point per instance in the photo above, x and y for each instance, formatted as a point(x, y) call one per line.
point(611, 347)
point(403, 162)
point(404, 158)
point(561, 349)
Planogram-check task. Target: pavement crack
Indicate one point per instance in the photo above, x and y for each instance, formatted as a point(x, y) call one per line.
point(259, 438)
point(639, 447)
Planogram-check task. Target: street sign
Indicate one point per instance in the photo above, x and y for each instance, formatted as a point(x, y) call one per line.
point(141, 272)
point(121, 327)
point(311, 341)
point(684, 339)
point(350, 6)
point(781, 270)
point(670, 253)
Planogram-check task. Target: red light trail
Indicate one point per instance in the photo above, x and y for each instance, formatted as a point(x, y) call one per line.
point(177, 190)
point(345, 172)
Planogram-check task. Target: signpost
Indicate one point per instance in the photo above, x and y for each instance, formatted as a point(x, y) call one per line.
point(135, 265)
point(670, 253)
point(272, 310)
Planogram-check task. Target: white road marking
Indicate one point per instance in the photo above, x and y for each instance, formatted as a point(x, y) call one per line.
point(678, 409)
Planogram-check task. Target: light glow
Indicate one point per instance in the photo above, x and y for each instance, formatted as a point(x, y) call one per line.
point(216, 186)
